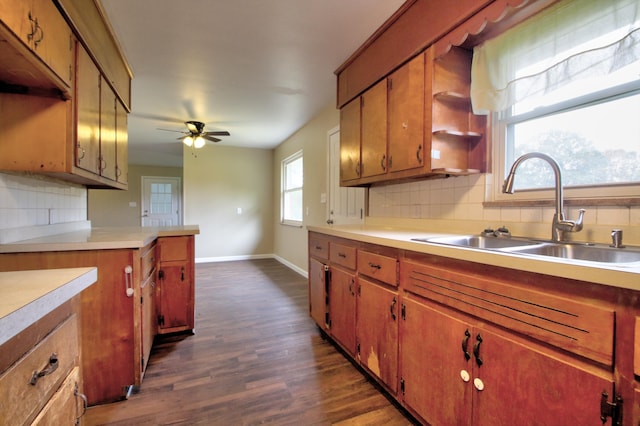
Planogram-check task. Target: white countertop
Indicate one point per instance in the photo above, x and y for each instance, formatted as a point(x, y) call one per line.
point(98, 239)
point(595, 272)
point(26, 296)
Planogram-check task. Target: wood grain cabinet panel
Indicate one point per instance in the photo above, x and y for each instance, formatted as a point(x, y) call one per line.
point(374, 131)
point(350, 133)
point(379, 267)
point(22, 394)
point(41, 28)
point(318, 280)
point(175, 287)
point(377, 331)
point(342, 308)
point(343, 255)
point(66, 406)
point(406, 116)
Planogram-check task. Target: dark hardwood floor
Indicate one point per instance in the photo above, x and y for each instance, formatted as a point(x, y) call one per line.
point(255, 358)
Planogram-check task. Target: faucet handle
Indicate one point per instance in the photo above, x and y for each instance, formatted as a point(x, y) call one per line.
point(616, 238)
point(578, 223)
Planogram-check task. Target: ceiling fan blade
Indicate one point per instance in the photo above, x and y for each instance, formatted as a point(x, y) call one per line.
point(211, 138)
point(218, 133)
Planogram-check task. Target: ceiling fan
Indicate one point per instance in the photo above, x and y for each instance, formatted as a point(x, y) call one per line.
point(195, 135)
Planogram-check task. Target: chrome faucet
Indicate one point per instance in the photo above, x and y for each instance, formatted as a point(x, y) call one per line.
point(560, 225)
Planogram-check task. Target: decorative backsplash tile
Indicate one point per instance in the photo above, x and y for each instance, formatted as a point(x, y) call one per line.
point(461, 199)
point(33, 200)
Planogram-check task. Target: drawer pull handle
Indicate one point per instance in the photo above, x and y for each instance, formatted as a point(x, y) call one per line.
point(83, 398)
point(374, 265)
point(342, 255)
point(465, 345)
point(50, 368)
point(476, 351)
point(128, 281)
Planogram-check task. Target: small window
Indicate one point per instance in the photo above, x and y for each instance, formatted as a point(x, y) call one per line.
point(292, 179)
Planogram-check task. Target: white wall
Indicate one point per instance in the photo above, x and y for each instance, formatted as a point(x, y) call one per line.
point(290, 243)
point(217, 181)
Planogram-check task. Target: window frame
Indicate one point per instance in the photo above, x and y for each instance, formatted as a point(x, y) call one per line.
point(588, 194)
point(284, 190)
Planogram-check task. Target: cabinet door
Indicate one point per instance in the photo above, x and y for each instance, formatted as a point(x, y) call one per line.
point(64, 406)
point(377, 331)
point(406, 116)
point(435, 354)
point(374, 130)
point(53, 41)
point(176, 297)
point(148, 322)
point(317, 295)
point(107, 131)
point(525, 386)
point(350, 141)
point(342, 308)
point(87, 101)
point(122, 144)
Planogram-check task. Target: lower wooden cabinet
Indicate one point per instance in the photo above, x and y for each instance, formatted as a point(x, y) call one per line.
point(43, 387)
point(377, 331)
point(342, 308)
point(458, 343)
point(318, 279)
point(175, 290)
point(458, 371)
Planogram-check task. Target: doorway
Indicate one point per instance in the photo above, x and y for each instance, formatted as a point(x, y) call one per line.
point(161, 201)
point(346, 205)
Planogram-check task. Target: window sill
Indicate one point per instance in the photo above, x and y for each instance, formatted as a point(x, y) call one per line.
point(292, 224)
point(608, 202)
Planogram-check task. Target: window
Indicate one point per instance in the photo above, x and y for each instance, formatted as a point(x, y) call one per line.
point(292, 178)
point(566, 83)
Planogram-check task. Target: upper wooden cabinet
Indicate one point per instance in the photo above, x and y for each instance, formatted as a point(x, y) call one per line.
point(417, 122)
point(38, 46)
point(374, 130)
point(94, 31)
point(416, 25)
point(70, 118)
point(406, 116)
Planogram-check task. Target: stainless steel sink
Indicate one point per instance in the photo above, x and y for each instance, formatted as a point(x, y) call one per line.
point(569, 251)
point(478, 241)
point(582, 252)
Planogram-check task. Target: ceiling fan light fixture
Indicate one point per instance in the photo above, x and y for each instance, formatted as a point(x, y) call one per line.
point(199, 142)
point(188, 141)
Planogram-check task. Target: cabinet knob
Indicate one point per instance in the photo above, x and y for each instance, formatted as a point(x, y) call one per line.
point(464, 375)
point(478, 384)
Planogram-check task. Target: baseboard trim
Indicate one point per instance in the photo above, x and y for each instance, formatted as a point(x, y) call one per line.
point(253, 257)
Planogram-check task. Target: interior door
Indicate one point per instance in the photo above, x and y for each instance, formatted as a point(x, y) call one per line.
point(346, 205)
point(161, 201)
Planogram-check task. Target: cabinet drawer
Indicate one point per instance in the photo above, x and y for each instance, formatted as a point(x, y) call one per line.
point(582, 328)
point(66, 406)
point(147, 261)
point(21, 400)
point(342, 255)
point(382, 268)
point(319, 247)
point(173, 248)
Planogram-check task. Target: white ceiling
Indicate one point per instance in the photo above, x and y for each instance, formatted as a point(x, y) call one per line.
point(260, 69)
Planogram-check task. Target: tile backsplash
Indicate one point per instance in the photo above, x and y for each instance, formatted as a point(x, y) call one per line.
point(457, 203)
point(32, 200)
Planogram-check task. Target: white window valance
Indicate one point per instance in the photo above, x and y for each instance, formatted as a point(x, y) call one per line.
point(573, 39)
